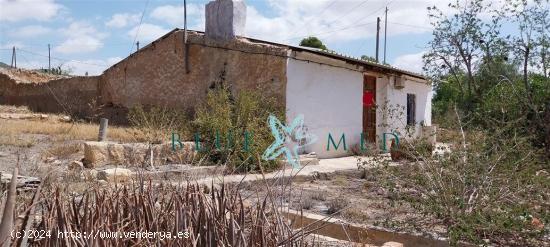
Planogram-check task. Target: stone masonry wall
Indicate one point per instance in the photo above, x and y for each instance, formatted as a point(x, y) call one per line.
point(70, 95)
point(157, 76)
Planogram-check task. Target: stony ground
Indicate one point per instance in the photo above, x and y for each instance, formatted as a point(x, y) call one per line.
point(53, 145)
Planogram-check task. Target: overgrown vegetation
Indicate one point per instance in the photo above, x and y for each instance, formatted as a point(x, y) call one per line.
point(178, 215)
point(232, 128)
point(492, 101)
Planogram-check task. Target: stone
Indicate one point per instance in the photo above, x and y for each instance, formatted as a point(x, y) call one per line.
point(225, 19)
point(76, 165)
point(537, 224)
point(98, 154)
point(89, 174)
point(95, 154)
point(392, 244)
point(2, 154)
point(115, 175)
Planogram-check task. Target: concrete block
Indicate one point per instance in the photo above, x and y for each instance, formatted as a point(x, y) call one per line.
point(225, 19)
point(98, 154)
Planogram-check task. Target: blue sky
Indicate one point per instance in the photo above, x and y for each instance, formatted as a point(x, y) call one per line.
point(88, 36)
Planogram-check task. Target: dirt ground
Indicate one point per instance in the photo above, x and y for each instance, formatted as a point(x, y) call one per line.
point(352, 196)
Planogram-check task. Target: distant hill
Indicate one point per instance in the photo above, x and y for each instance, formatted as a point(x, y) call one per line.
point(3, 65)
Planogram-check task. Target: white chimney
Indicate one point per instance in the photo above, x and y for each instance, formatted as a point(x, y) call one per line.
point(225, 19)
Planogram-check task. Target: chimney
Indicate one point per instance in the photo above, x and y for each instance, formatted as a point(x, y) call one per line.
point(225, 19)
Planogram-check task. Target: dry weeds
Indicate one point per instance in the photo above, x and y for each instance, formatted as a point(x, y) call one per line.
point(63, 131)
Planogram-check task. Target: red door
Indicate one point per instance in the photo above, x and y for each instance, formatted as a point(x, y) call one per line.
point(369, 108)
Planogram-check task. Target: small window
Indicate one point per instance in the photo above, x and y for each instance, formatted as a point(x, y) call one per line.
point(411, 109)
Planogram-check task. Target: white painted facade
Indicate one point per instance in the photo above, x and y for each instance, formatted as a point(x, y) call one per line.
point(330, 97)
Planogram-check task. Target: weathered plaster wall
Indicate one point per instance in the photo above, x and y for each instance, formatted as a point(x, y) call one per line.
point(396, 103)
point(157, 76)
point(70, 95)
point(329, 95)
point(330, 98)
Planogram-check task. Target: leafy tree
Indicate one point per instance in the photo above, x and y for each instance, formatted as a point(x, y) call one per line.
point(368, 58)
point(313, 42)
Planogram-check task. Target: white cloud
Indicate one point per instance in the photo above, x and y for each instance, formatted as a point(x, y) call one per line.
point(411, 62)
point(147, 32)
point(30, 31)
point(91, 66)
point(82, 37)
point(17, 10)
point(123, 20)
point(173, 14)
point(292, 20)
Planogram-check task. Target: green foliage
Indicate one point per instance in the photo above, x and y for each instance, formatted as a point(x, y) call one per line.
point(368, 58)
point(156, 124)
point(313, 42)
point(230, 117)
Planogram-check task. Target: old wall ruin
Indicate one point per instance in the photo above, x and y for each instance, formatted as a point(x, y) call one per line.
point(156, 75)
point(73, 96)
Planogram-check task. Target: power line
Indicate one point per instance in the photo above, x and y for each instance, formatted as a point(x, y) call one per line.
point(313, 17)
point(349, 11)
point(409, 25)
point(139, 26)
point(62, 59)
point(333, 31)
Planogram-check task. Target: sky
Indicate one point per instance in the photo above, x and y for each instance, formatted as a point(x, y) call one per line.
point(89, 36)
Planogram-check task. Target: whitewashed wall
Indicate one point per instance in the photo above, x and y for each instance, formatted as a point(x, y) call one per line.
point(330, 98)
point(393, 107)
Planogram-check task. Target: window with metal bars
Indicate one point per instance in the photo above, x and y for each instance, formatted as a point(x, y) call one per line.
point(411, 109)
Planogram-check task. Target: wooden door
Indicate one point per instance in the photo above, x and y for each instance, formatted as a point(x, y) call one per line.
point(369, 108)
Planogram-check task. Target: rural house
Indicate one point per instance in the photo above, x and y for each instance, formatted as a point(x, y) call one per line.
point(336, 94)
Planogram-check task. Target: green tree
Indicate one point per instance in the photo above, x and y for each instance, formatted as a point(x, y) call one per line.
point(313, 42)
point(368, 58)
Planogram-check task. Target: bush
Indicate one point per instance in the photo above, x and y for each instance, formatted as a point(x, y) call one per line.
point(233, 129)
point(487, 187)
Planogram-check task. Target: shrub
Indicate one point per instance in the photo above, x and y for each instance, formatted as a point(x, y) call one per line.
point(484, 189)
point(233, 129)
point(336, 205)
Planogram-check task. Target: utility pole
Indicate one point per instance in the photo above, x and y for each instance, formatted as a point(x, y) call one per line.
point(49, 59)
point(385, 33)
point(13, 58)
point(377, 37)
point(137, 45)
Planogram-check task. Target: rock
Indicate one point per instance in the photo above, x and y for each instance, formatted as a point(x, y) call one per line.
point(538, 173)
point(115, 175)
point(65, 119)
point(22, 181)
point(95, 154)
point(89, 174)
point(2, 154)
point(537, 224)
point(76, 165)
point(98, 154)
point(392, 244)
point(321, 176)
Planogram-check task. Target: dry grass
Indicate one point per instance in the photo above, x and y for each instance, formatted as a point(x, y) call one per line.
point(64, 150)
point(65, 131)
point(13, 140)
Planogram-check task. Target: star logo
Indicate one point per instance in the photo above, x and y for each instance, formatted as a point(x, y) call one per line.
point(288, 140)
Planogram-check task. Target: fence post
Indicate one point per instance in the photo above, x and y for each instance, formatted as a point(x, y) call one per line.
point(103, 129)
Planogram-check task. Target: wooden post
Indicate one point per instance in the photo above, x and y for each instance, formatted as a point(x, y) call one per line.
point(103, 129)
